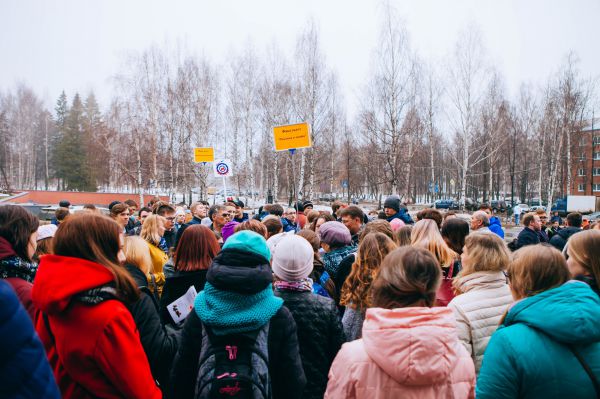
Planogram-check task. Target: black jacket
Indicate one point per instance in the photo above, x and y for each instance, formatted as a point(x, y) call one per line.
point(343, 272)
point(285, 367)
point(170, 237)
point(527, 236)
point(159, 344)
point(176, 286)
point(559, 240)
point(320, 336)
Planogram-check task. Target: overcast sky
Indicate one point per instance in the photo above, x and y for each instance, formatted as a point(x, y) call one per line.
point(79, 45)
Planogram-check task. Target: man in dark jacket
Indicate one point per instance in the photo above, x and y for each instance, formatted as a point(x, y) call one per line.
point(168, 212)
point(238, 299)
point(199, 211)
point(394, 209)
point(529, 235)
point(559, 240)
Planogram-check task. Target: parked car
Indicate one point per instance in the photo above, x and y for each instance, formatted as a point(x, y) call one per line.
point(536, 207)
point(471, 204)
point(498, 205)
point(524, 208)
point(593, 217)
point(446, 204)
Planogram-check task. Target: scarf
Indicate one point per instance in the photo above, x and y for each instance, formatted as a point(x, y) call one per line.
point(227, 312)
point(13, 266)
point(163, 245)
point(96, 295)
point(301, 286)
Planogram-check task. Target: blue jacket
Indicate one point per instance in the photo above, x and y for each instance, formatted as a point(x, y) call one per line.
point(24, 368)
point(289, 226)
point(528, 356)
point(496, 227)
point(402, 215)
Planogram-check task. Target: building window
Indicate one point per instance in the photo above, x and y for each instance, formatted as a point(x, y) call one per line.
point(582, 142)
point(582, 156)
point(580, 172)
point(596, 187)
point(596, 156)
point(580, 187)
point(596, 140)
point(596, 171)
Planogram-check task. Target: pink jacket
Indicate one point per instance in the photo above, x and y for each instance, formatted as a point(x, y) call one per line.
point(404, 353)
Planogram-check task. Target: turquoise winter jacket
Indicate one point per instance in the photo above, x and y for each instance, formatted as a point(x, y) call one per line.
point(528, 356)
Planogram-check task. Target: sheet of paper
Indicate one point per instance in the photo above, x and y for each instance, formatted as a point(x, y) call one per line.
point(182, 306)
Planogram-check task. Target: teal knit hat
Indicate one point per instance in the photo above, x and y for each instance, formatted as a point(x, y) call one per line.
point(249, 241)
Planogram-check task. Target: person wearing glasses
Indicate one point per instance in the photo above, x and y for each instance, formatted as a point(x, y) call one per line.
point(219, 215)
point(167, 211)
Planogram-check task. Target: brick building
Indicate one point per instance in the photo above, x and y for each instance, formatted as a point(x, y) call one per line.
point(585, 155)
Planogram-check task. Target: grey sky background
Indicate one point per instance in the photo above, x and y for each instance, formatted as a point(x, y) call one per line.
point(78, 45)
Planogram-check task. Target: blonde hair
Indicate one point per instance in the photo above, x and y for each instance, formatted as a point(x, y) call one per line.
point(150, 229)
point(137, 253)
point(372, 250)
point(584, 248)
point(535, 269)
point(426, 234)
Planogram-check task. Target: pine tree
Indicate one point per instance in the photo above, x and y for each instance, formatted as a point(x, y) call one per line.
point(59, 132)
point(92, 125)
point(71, 154)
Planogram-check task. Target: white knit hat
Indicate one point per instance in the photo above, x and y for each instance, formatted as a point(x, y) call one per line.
point(46, 231)
point(291, 256)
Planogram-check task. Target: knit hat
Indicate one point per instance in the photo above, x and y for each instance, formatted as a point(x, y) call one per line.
point(292, 256)
point(396, 224)
point(335, 233)
point(392, 202)
point(228, 230)
point(238, 202)
point(307, 203)
point(299, 207)
point(249, 241)
point(46, 231)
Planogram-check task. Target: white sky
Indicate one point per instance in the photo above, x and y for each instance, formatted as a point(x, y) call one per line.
point(78, 45)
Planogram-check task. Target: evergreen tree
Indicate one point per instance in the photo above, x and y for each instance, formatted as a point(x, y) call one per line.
point(71, 152)
point(58, 134)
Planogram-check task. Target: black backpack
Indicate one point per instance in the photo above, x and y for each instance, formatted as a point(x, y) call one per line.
point(234, 366)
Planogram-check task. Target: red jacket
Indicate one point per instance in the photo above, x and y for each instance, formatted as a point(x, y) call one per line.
point(96, 349)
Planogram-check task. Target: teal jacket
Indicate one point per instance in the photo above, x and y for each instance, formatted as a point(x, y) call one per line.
point(528, 356)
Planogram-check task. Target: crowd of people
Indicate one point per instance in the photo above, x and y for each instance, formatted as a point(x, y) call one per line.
point(205, 301)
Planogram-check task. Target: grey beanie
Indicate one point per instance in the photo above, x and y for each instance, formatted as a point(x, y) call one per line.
point(392, 202)
point(291, 256)
point(335, 234)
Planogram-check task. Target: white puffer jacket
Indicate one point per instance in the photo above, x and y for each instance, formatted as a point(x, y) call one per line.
point(486, 297)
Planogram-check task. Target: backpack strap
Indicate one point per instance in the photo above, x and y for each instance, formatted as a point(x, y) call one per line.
point(587, 369)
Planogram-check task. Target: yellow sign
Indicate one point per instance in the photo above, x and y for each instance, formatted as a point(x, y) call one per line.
point(204, 154)
point(290, 137)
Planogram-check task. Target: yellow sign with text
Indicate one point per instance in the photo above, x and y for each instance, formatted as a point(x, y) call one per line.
point(291, 137)
point(204, 154)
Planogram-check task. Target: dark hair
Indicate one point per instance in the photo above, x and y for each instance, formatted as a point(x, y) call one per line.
point(96, 238)
point(144, 209)
point(252, 225)
point(16, 226)
point(110, 206)
point(273, 225)
point(64, 203)
point(44, 247)
point(484, 207)
point(378, 226)
point(215, 209)
point(312, 238)
point(432, 214)
point(318, 268)
point(61, 213)
point(574, 219)
point(117, 209)
point(273, 209)
point(131, 202)
point(381, 215)
point(448, 214)
point(196, 249)
point(403, 235)
point(336, 205)
point(161, 208)
point(528, 218)
point(454, 231)
point(325, 216)
point(408, 277)
point(353, 211)
point(91, 207)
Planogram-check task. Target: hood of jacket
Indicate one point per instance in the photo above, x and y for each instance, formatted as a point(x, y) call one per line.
point(481, 280)
point(59, 278)
point(567, 232)
point(425, 344)
point(495, 221)
point(239, 271)
point(568, 314)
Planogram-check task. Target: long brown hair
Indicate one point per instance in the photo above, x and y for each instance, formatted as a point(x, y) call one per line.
point(584, 248)
point(196, 249)
point(96, 238)
point(252, 225)
point(409, 276)
point(372, 250)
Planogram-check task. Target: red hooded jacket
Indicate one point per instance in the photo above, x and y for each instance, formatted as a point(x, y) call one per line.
point(96, 349)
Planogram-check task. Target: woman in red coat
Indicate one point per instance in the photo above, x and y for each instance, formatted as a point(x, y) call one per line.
point(90, 337)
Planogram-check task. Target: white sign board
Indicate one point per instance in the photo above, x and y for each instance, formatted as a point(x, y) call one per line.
point(182, 306)
point(222, 168)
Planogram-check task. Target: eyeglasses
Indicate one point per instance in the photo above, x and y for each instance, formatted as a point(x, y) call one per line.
point(226, 215)
point(170, 219)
